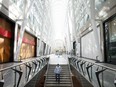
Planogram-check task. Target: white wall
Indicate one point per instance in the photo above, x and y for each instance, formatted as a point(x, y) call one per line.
point(89, 46)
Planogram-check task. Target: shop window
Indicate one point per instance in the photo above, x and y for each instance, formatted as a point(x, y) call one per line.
point(28, 46)
point(110, 40)
point(5, 40)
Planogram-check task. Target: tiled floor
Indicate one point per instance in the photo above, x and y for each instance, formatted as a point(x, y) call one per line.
point(55, 59)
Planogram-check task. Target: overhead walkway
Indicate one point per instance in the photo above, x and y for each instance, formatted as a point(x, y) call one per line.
point(65, 80)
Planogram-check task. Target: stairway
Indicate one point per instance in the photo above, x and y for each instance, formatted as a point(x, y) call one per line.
point(65, 80)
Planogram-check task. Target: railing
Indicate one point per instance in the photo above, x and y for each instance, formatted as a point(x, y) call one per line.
point(19, 74)
point(46, 73)
point(97, 74)
point(70, 73)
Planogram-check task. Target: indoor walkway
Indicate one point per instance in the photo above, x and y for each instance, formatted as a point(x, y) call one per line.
point(79, 35)
point(58, 59)
point(65, 77)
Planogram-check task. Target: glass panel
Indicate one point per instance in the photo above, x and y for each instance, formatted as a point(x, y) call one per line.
point(21, 5)
point(14, 1)
point(104, 5)
point(94, 79)
point(108, 77)
point(0, 1)
point(110, 37)
point(99, 4)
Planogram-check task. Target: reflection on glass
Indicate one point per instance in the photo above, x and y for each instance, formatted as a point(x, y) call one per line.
point(99, 3)
point(110, 32)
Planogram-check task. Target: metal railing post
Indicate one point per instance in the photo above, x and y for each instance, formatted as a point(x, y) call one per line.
point(97, 75)
point(87, 68)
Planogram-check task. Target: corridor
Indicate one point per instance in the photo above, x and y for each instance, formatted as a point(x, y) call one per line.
point(58, 59)
point(79, 35)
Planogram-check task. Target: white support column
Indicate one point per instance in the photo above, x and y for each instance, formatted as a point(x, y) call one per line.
point(40, 44)
point(22, 30)
point(48, 34)
point(46, 49)
point(21, 34)
point(15, 39)
point(68, 33)
point(74, 23)
point(101, 39)
point(91, 11)
point(94, 27)
point(67, 38)
point(42, 27)
point(36, 47)
point(48, 39)
point(66, 47)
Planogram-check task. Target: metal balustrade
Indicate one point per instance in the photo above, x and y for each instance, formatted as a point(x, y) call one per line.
point(19, 74)
point(97, 74)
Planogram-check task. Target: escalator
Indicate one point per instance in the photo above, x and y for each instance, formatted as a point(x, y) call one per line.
point(65, 77)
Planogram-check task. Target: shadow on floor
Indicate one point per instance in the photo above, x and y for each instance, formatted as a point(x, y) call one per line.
point(76, 83)
point(41, 82)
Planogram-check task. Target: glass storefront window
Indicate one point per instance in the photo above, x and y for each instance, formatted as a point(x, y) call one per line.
point(99, 3)
point(18, 3)
point(104, 4)
point(21, 4)
point(14, 1)
point(110, 40)
point(113, 31)
point(0, 1)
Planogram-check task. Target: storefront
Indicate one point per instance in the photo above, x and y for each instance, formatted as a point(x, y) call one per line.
point(110, 40)
point(28, 47)
point(6, 40)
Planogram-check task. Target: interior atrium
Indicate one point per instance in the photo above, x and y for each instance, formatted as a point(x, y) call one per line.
point(77, 37)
